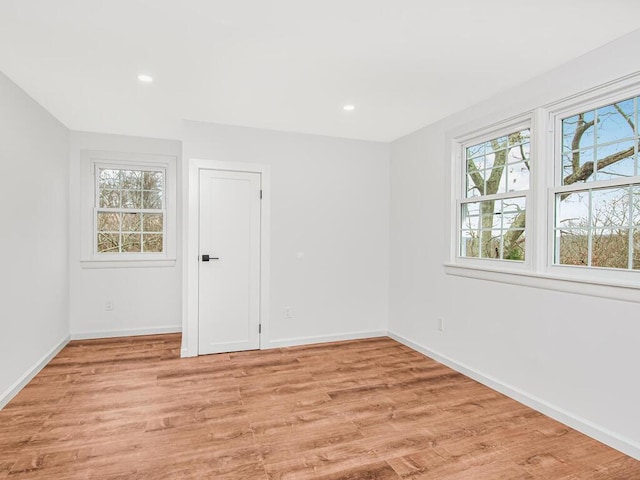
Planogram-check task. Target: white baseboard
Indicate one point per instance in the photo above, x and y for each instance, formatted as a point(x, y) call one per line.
point(125, 333)
point(293, 342)
point(604, 435)
point(14, 389)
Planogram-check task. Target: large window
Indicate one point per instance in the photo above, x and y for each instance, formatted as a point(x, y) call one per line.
point(493, 210)
point(552, 198)
point(597, 197)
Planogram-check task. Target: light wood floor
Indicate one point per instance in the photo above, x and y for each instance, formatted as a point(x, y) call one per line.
point(370, 409)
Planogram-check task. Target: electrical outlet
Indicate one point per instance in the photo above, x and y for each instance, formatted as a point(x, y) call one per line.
point(108, 305)
point(440, 323)
point(287, 312)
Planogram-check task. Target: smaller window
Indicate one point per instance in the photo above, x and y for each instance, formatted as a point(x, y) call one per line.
point(130, 210)
point(493, 207)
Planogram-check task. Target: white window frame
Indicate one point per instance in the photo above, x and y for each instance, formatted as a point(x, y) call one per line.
point(539, 270)
point(556, 113)
point(458, 146)
point(91, 161)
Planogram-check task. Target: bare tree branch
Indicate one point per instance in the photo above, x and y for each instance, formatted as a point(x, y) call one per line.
point(625, 116)
point(473, 172)
point(586, 170)
point(575, 143)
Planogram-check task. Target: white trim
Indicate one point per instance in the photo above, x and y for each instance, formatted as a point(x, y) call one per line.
point(125, 333)
point(191, 195)
point(593, 430)
point(292, 342)
point(19, 384)
point(580, 284)
point(126, 263)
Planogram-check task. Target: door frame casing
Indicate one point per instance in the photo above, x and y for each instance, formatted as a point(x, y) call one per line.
point(191, 231)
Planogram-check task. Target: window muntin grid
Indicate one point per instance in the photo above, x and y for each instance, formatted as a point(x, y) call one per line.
point(493, 212)
point(597, 226)
point(130, 210)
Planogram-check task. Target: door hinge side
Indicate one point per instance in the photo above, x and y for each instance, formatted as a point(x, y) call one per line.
point(260, 194)
point(259, 328)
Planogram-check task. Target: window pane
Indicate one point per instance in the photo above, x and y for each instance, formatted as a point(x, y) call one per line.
point(153, 181)
point(475, 184)
point(469, 246)
point(131, 179)
point(514, 245)
point(109, 199)
point(131, 242)
point(109, 179)
point(577, 131)
point(616, 121)
point(108, 222)
point(577, 166)
point(611, 160)
point(573, 210)
point(108, 242)
point(152, 200)
point(513, 212)
point(131, 199)
point(625, 167)
point(573, 247)
point(610, 248)
point(518, 138)
point(519, 153)
point(152, 242)
point(153, 222)
point(636, 250)
point(610, 206)
point(489, 243)
point(636, 205)
point(131, 222)
point(496, 181)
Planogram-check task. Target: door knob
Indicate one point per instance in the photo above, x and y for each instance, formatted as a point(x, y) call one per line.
point(206, 258)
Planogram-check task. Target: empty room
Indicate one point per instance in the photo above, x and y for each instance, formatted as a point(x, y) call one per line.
point(293, 239)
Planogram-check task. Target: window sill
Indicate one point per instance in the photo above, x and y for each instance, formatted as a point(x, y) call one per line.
point(593, 287)
point(110, 263)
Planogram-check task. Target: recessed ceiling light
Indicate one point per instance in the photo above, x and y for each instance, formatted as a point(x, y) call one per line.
point(145, 78)
point(349, 108)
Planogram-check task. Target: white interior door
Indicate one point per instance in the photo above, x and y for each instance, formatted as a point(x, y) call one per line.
point(229, 262)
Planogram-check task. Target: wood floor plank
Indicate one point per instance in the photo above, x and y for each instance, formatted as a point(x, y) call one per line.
point(131, 409)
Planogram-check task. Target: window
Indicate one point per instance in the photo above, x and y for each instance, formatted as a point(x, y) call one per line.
point(493, 209)
point(597, 196)
point(128, 210)
point(551, 198)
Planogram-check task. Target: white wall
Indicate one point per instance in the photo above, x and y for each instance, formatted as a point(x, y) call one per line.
point(34, 150)
point(145, 300)
point(329, 201)
point(571, 355)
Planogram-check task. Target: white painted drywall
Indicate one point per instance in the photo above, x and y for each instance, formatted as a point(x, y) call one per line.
point(34, 159)
point(576, 354)
point(145, 299)
point(329, 227)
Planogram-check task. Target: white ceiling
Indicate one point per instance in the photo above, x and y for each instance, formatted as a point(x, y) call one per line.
point(289, 64)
